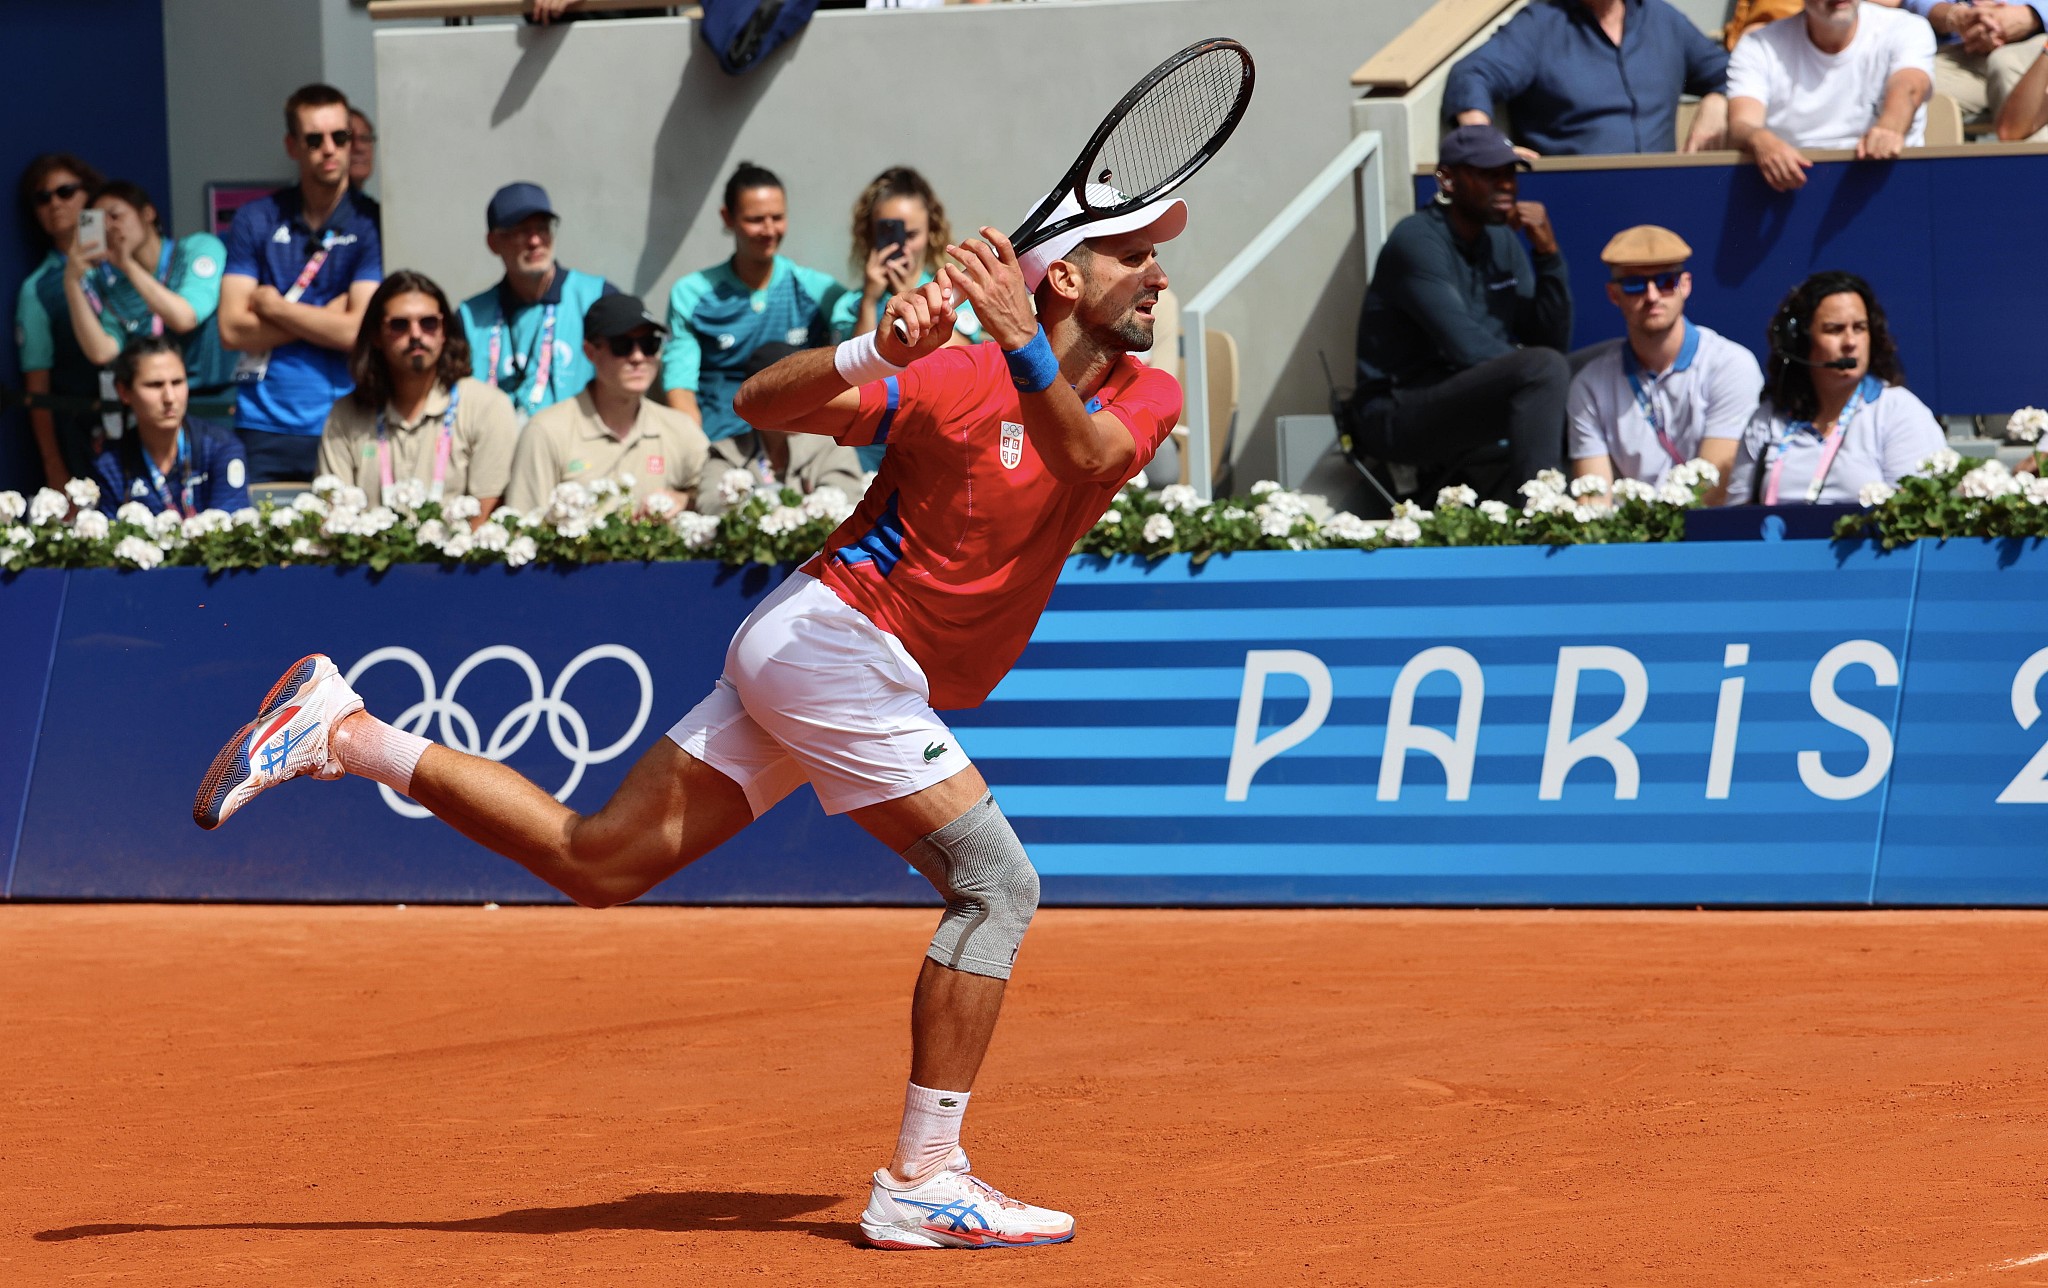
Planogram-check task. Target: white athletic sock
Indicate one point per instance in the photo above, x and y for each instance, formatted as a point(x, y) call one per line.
point(367, 746)
point(931, 1131)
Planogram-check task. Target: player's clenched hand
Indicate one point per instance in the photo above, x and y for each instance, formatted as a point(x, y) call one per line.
point(987, 273)
point(926, 318)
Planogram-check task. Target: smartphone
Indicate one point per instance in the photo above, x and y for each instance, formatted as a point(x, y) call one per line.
point(92, 231)
point(888, 233)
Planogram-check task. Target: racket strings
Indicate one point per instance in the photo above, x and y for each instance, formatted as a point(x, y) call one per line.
point(1173, 126)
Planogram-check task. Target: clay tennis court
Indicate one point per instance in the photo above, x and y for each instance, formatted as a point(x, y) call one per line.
point(295, 1096)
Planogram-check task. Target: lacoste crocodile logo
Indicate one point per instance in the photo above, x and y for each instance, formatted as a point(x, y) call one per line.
point(933, 750)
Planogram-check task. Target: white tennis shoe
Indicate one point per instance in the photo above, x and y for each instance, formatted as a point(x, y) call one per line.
point(956, 1209)
point(287, 738)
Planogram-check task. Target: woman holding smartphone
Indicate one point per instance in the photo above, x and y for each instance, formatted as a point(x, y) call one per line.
point(132, 281)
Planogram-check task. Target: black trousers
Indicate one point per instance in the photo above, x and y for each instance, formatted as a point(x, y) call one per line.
point(1517, 399)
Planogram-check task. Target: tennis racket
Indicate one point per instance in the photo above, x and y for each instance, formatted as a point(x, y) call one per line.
point(1152, 141)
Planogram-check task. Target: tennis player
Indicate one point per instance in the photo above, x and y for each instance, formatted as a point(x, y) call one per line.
point(1000, 456)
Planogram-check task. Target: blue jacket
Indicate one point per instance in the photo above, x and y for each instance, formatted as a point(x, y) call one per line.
point(211, 473)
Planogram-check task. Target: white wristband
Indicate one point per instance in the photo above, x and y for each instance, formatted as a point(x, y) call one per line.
point(860, 363)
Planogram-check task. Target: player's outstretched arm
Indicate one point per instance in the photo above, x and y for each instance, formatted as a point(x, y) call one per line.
point(817, 391)
point(1077, 447)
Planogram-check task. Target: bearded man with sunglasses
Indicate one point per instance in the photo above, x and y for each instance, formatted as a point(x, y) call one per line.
point(415, 413)
point(1672, 391)
point(302, 265)
point(612, 430)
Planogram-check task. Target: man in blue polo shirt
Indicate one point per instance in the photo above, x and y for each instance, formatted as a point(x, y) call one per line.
point(302, 266)
point(526, 333)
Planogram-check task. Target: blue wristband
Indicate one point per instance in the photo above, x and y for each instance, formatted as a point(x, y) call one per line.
point(1033, 367)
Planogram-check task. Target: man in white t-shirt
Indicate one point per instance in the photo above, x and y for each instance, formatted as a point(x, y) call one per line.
point(1672, 391)
point(1841, 74)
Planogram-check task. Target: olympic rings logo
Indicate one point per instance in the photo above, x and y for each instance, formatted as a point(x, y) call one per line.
point(459, 729)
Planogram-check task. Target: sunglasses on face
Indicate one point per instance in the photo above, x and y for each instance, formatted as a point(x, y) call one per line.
point(62, 192)
point(429, 325)
point(342, 138)
point(1637, 283)
point(622, 346)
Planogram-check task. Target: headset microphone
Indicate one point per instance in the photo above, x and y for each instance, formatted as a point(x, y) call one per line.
point(1838, 364)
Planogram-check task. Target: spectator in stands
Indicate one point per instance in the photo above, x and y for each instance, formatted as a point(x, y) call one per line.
point(1986, 47)
point(415, 413)
point(720, 317)
point(302, 266)
point(1836, 415)
point(612, 429)
point(171, 461)
point(362, 163)
point(1672, 390)
point(54, 189)
point(1461, 339)
point(1595, 76)
point(899, 235)
point(142, 283)
point(1839, 74)
point(526, 333)
point(2024, 113)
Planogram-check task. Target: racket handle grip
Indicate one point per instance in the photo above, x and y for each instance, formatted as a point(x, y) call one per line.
point(900, 331)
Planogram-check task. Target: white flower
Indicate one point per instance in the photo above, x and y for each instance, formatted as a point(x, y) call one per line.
point(49, 506)
point(1704, 471)
point(1496, 510)
point(696, 530)
point(376, 519)
point(734, 486)
point(1346, 526)
point(136, 551)
point(206, 523)
point(246, 517)
point(1536, 489)
point(461, 507)
point(284, 518)
point(432, 533)
point(1875, 493)
point(1274, 523)
point(12, 506)
point(353, 498)
point(1672, 492)
point(1633, 490)
point(1941, 462)
point(1410, 510)
point(1552, 479)
point(1179, 498)
point(781, 519)
point(1264, 486)
point(1111, 518)
point(602, 488)
point(133, 512)
point(406, 495)
point(326, 484)
point(1988, 482)
point(1403, 530)
point(307, 548)
point(1585, 513)
point(341, 522)
point(1232, 514)
point(1158, 528)
point(309, 503)
point(1683, 475)
point(91, 524)
point(1302, 504)
point(18, 536)
point(520, 551)
point(167, 525)
point(659, 504)
point(492, 537)
point(458, 544)
point(84, 493)
point(1459, 497)
point(1589, 485)
point(2037, 490)
point(1549, 501)
point(2026, 425)
point(574, 528)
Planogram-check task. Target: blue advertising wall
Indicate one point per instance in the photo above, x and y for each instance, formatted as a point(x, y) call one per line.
point(1890, 222)
point(1745, 722)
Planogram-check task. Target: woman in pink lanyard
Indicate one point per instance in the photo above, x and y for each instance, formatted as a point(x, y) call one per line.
point(1836, 416)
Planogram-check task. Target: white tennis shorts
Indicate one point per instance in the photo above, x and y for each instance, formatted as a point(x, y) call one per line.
point(815, 692)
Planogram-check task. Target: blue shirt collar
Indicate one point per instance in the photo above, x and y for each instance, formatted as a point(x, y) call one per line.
point(291, 205)
point(510, 303)
point(1688, 349)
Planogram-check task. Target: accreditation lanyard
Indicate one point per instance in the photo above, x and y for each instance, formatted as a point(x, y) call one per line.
point(1830, 446)
point(99, 306)
point(314, 263)
point(162, 486)
point(442, 449)
point(1648, 406)
point(542, 364)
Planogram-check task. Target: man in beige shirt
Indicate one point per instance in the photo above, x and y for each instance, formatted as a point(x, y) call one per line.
point(415, 413)
point(612, 429)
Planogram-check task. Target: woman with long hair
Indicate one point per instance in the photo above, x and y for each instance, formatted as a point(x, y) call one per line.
point(900, 233)
point(1836, 415)
point(53, 191)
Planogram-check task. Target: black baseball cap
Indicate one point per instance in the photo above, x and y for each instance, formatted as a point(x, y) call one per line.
point(517, 201)
point(618, 315)
point(1480, 146)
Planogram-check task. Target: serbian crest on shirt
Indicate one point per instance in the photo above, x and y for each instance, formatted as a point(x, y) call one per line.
point(1012, 445)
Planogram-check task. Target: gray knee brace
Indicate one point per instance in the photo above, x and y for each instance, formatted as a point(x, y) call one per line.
point(991, 890)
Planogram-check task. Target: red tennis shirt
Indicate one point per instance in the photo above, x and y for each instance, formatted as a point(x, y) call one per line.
point(959, 540)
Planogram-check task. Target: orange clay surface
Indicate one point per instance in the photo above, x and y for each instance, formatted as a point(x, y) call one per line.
point(376, 1096)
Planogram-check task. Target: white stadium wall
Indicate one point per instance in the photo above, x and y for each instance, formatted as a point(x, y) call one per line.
point(632, 128)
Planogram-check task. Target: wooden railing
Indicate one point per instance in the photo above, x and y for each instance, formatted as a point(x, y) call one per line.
point(1411, 56)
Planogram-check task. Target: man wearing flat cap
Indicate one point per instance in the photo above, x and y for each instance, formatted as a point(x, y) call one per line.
point(1461, 340)
point(611, 429)
point(1673, 390)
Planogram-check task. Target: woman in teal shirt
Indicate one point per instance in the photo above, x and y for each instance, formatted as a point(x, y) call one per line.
point(143, 283)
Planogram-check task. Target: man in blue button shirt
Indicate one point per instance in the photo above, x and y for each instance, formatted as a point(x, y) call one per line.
point(1586, 77)
point(526, 333)
point(302, 266)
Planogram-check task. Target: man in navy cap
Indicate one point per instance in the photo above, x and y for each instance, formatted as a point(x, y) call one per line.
point(1461, 341)
point(526, 333)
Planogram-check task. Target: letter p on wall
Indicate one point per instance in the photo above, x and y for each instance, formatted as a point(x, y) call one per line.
point(1248, 751)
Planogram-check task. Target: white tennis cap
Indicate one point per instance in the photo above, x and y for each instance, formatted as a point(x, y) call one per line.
point(1165, 217)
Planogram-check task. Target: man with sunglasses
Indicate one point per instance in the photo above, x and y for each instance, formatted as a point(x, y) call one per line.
point(612, 429)
point(415, 413)
point(302, 266)
point(1672, 391)
point(526, 333)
